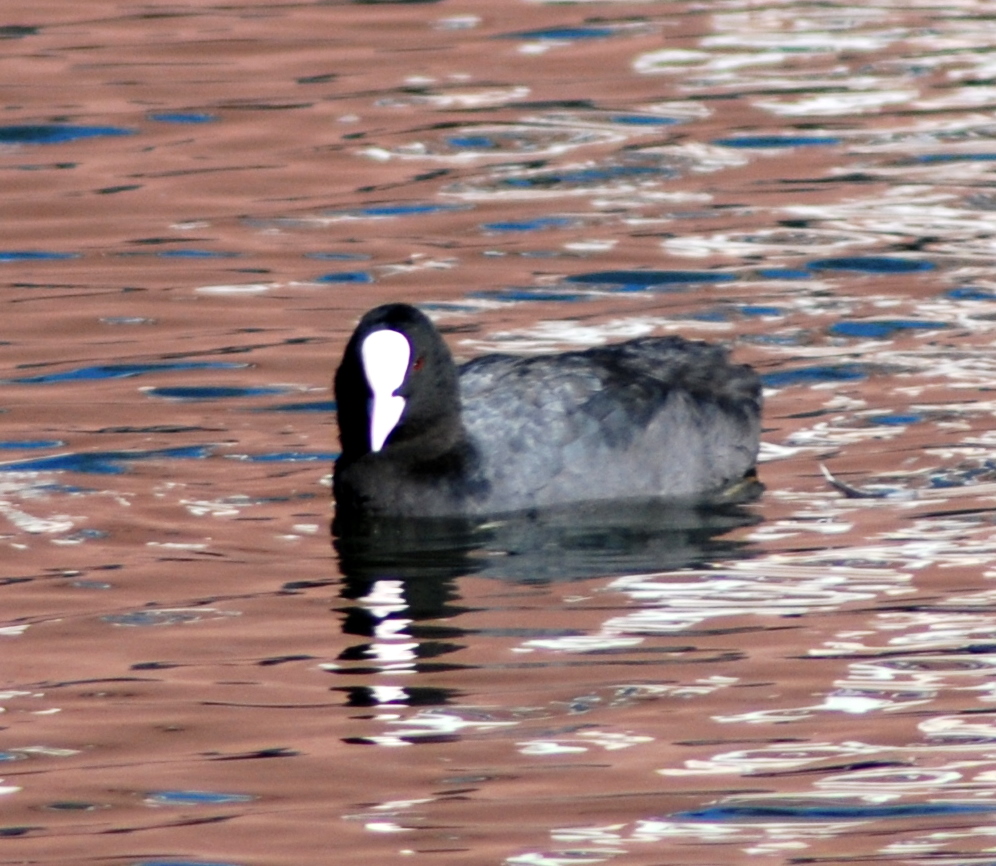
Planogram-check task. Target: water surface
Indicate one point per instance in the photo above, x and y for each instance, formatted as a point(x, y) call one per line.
point(201, 200)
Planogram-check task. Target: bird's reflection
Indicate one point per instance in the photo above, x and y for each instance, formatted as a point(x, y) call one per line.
point(400, 576)
point(542, 546)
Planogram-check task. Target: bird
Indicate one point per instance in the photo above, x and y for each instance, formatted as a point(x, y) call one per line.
point(649, 418)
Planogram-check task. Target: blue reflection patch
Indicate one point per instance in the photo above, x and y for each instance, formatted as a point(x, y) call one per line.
point(757, 310)
point(120, 371)
point(54, 133)
point(28, 444)
point(17, 31)
point(870, 265)
point(473, 142)
point(784, 274)
point(315, 406)
point(959, 478)
point(183, 117)
point(406, 209)
point(882, 329)
point(338, 257)
point(562, 33)
point(34, 256)
point(833, 812)
point(525, 295)
point(638, 280)
point(103, 462)
point(956, 157)
point(763, 141)
point(346, 277)
point(196, 254)
point(589, 175)
point(710, 316)
point(896, 420)
point(213, 392)
point(195, 798)
point(529, 225)
point(644, 120)
point(286, 457)
point(809, 375)
point(970, 293)
point(793, 339)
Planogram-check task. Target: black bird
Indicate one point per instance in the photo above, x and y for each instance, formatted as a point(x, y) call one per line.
point(654, 417)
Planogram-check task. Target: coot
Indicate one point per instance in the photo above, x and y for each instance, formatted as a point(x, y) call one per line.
point(652, 417)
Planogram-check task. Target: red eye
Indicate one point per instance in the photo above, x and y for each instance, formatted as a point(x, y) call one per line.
point(418, 365)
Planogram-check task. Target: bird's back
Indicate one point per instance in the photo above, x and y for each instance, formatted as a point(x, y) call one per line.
point(657, 416)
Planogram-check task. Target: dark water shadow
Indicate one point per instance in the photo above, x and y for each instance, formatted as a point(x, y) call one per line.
point(544, 546)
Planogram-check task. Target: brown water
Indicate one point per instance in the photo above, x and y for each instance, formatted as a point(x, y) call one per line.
point(189, 674)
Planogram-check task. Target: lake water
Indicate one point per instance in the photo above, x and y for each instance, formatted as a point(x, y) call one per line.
point(199, 200)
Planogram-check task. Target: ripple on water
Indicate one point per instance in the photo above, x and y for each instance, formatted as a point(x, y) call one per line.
point(402, 209)
point(383, 211)
point(55, 133)
point(17, 31)
point(527, 654)
point(28, 444)
point(530, 225)
point(182, 117)
point(638, 281)
point(882, 328)
point(346, 277)
point(213, 392)
point(185, 862)
point(73, 806)
point(971, 293)
point(103, 462)
point(194, 798)
point(545, 137)
point(871, 265)
point(528, 294)
point(766, 142)
point(120, 371)
point(287, 457)
point(644, 120)
point(166, 616)
point(586, 177)
point(784, 274)
point(835, 811)
point(196, 254)
point(955, 157)
point(814, 374)
point(563, 33)
point(34, 256)
point(897, 419)
point(324, 407)
point(337, 257)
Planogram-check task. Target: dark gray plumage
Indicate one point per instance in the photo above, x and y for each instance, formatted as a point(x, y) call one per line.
point(652, 417)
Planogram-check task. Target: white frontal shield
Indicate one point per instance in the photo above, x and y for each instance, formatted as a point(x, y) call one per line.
point(385, 355)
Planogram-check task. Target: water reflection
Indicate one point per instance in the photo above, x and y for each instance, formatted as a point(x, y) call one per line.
point(542, 546)
point(400, 579)
point(811, 183)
